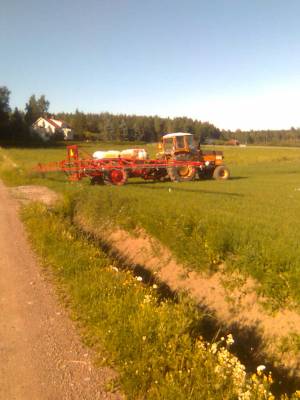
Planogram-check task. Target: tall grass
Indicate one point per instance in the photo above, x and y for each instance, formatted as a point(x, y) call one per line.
point(154, 344)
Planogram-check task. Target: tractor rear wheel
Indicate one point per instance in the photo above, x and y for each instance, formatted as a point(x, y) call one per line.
point(182, 173)
point(221, 173)
point(116, 177)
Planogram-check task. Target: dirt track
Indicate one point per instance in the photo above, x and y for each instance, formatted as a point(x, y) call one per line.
point(41, 357)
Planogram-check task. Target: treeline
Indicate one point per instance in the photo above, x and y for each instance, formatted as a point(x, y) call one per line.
point(15, 126)
point(106, 126)
point(290, 137)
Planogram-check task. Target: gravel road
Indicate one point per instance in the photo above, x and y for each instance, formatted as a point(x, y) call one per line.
point(41, 356)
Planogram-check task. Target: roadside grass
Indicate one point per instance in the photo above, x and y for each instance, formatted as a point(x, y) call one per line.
point(155, 344)
point(248, 222)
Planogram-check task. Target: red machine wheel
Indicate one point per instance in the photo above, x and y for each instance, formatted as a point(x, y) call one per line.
point(116, 177)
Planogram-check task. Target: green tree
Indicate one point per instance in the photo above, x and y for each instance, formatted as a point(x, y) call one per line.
point(18, 128)
point(158, 126)
point(124, 135)
point(208, 131)
point(4, 111)
point(4, 103)
point(36, 108)
point(79, 123)
point(43, 105)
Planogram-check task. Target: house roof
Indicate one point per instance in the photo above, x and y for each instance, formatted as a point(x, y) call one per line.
point(57, 124)
point(52, 122)
point(49, 120)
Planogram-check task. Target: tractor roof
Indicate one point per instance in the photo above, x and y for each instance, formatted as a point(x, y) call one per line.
point(170, 135)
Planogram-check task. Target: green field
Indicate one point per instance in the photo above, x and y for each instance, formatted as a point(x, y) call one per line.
point(250, 221)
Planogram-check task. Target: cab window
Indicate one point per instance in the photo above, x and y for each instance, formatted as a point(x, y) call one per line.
point(190, 141)
point(180, 142)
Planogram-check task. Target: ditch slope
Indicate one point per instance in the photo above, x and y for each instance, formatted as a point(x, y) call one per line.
point(230, 299)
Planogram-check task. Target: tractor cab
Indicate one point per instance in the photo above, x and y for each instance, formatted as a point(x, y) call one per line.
point(177, 143)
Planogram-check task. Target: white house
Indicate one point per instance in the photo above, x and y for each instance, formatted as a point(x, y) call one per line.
point(47, 127)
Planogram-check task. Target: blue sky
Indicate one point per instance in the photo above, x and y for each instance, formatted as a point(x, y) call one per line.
point(235, 63)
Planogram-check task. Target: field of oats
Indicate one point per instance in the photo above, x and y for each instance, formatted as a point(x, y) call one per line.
point(249, 223)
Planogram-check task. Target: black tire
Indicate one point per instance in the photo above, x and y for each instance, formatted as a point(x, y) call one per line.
point(205, 174)
point(160, 175)
point(97, 180)
point(182, 174)
point(117, 177)
point(221, 173)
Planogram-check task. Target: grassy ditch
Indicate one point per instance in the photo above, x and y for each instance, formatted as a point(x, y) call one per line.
point(155, 344)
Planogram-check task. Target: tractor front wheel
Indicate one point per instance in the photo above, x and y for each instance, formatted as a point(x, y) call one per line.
point(116, 177)
point(221, 173)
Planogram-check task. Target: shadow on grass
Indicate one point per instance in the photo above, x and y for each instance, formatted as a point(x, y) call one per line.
point(156, 185)
point(248, 345)
point(237, 178)
point(155, 182)
point(288, 172)
point(248, 348)
point(187, 190)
